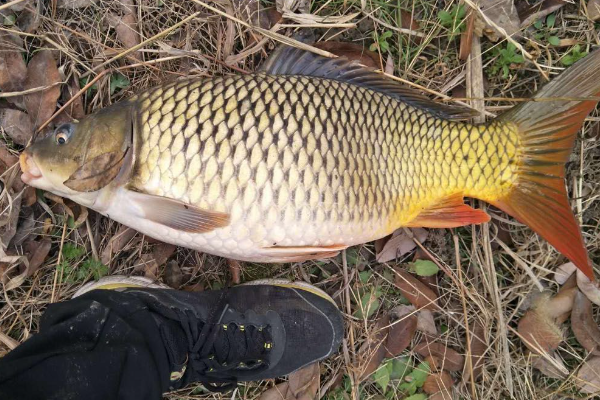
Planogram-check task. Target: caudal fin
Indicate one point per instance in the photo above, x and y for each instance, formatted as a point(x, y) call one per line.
point(548, 126)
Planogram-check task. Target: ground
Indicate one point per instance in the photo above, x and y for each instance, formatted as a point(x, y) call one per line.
point(482, 285)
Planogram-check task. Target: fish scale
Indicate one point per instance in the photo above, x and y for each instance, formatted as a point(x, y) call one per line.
point(302, 161)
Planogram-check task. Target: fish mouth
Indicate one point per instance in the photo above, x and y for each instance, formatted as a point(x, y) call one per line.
point(30, 169)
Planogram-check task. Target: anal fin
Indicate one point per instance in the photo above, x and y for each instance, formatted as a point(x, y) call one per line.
point(178, 215)
point(451, 212)
point(285, 254)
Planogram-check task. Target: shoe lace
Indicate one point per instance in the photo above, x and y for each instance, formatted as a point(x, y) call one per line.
point(215, 348)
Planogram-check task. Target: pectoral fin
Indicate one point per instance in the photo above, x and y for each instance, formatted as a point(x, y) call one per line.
point(452, 212)
point(177, 214)
point(285, 254)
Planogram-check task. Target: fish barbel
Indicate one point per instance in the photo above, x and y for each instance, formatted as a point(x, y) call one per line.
point(312, 155)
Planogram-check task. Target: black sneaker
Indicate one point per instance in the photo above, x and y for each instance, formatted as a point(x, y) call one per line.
point(258, 330)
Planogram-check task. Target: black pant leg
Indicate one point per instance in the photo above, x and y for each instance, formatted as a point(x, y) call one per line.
point(103, 345)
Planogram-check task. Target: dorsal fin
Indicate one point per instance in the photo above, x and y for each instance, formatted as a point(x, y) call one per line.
point(288, 60)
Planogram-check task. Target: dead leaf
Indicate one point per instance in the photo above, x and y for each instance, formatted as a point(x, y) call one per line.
point(75, 109)
point(12, 67)
point(529, 14)
point(126, 29)
point(445, 395)
point(17, 125)
point(425, 322)
point(548, 368)
point(42, 72)
point(148, 265)
point(29, 196)
point(584, 326)
point(466, 38)
point(389, 65)
point(117, 243)
point(173, 274)
point(373, 351)
point(415, 291)
point(563, 301)
point(478, 348)
point(403, 325)
point(351, 51)
point(305, 382)
point(408, 22)
point(589, 288)
point(29, 20)
point(401, 243)
point(10, 206)
point(196, 287)
point(37, 253)
point(438, 382)
point(75, 3)
point(504, 15)
point(589, 376)
point(279, 392)
point(593, 8)
point(234, 271)
point(451, 360)
point(291, 6)
point(435, 364)
point(162, 252)
point(538, 330)
point(562, 273)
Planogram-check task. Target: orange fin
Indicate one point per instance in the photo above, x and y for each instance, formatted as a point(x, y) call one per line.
point(547, 131)
point(285, 254)
point(452, 212)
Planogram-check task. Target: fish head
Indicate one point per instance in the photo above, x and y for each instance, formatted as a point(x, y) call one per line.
point(80, 157)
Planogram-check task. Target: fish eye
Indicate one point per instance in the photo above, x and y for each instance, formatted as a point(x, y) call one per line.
point(62, 134)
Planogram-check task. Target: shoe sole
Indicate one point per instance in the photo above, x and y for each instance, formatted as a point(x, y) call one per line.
point(292, 285)
point(119, 282)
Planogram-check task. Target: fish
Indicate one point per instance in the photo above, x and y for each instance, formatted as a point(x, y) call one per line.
point(310, 155)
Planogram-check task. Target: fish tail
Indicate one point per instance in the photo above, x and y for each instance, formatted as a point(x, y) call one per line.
point(547, 131)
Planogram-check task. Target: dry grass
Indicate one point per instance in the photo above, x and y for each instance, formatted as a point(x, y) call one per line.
point(482, 282)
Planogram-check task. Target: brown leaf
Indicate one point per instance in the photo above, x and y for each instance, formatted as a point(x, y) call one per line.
point(12, 67)
point(279, 392)
point(173, 274)
point(148, 265)
point(234, 271)
point(29, 196)
point(75, 3)
point(403, 326)
point(435, 364)
point(42, 72)
point(589, 376)
point(29, 20)
point(478, 348)
point(438, 382)
point(593, 8)
point(562, 304)
point(196, 287)
point(504, 15)
point(75, 109)
point(562, 273)
point(584, 326)
point(38, 251)
point(529, 14)
point(351, 51)
point(162, 252)
point(415, 291)
point(374, 351)
point(305, 382)
point(126, 29)
point(425, 322)
point(451, 360)
point(17, 125)
point(408, 22)
point(117, 243)
point(389, 65)
point(445, 395)
point(401, 243)
point(589, 288)
point(466, 38)
point(539, 332)
point(9, 217)
point(547, 368)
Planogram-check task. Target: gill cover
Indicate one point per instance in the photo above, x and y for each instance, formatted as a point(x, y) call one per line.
point(107, 148)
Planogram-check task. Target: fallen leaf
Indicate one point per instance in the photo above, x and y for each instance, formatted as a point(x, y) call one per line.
point(12, 67)
point(42, 72)
point(75, 109)
point(408, 22)
point(9, 217)
point(292, 5)
point(435, 364)
point(549, 368)
point(126, 28)
point(351, 51)
point(529, 14)
point(589, 288)
point(584, 326)
point(37, 253)
point(29, 20)
point(148, 265)
point(562, 273)
point(538, 330)
point(415, 291)
point(389, 65)
point(504, 15)
point(431, 282)
point(438, 382)
point(562, 304)
point(593, 8)
point(589, 376)
point(162, 252)
point(445, 395)
point(451, 360)
point(466, 38)
point(403, 325)
point(373, 351)
point(304, 383)
point(425, 322)
point(234, 271)
point(478, 348)
point(17, 125)
point(117, 243)
point(75, 3)
point(173, 275)
point(401, 243)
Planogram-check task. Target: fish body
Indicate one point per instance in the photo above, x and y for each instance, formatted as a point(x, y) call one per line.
point(277, 167)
